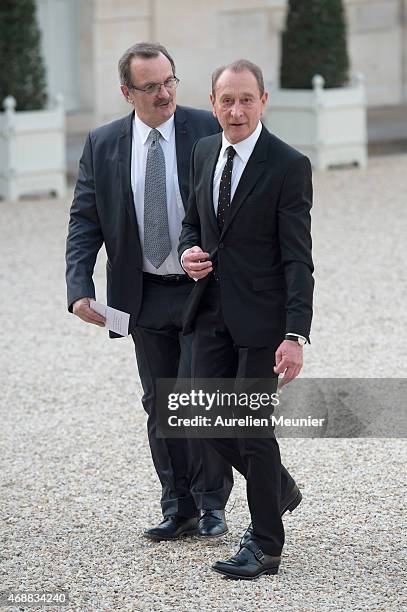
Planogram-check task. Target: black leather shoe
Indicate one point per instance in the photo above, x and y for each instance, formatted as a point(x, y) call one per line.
point(212, 524)
point(172, 528)
point(292, 500)
point(290, 503)
point(249, 563)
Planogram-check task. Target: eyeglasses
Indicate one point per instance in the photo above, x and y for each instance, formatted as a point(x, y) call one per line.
point(154, 88)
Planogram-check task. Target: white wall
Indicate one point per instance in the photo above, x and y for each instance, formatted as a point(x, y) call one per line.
point(375, 34)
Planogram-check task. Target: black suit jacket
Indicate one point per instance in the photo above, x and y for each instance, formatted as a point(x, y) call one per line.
point(263, 255)
point(103, 209)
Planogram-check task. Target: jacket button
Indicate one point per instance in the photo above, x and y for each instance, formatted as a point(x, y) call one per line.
point(221, 245)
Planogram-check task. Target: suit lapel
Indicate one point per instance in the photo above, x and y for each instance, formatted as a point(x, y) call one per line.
point(208, 172)
point(182, 149)
point(250, 177)
point(125, 144)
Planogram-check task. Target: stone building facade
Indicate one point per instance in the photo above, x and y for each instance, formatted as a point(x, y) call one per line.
point(83, 39)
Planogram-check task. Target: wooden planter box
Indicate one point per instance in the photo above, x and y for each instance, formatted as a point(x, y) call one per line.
point(327, 125)
point(32, 151)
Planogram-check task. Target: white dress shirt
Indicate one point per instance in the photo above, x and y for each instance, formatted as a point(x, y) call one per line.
point(176, 212)
point(243, 149)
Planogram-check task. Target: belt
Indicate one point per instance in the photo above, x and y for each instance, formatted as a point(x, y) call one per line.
point(167, 278)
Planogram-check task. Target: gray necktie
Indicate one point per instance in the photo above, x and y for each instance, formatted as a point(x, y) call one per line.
point(157, 244)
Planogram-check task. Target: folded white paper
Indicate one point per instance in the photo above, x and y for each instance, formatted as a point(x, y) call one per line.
point(116, 320)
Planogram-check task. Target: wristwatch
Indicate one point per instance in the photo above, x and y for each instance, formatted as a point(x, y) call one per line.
point(294, 338)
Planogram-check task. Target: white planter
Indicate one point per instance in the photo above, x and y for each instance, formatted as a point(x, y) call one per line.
point(32, 151)
point(327, 125)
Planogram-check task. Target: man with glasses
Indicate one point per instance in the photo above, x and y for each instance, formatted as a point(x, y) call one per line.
point(130, 195)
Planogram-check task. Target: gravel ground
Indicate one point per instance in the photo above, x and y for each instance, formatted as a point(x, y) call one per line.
point(77, 484)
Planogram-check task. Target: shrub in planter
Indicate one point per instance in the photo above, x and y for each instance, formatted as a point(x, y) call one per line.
point(32, 137)
point(316, 109)
point(22, 72)
point(314, 42)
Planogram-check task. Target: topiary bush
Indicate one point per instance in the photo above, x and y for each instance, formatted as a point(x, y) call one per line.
point(314, 42)
point(22, 71)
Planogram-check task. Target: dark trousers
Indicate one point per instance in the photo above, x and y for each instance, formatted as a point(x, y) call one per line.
point(192, 475)
point(214, 354)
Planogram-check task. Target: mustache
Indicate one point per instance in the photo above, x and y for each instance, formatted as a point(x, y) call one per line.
point(164, 102)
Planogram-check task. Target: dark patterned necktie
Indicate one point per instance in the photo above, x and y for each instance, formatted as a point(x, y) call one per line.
point(157, 243)
point(225, 188)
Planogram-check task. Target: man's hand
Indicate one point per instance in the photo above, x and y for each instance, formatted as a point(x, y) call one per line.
point(196, 263)
point(82, 310)
point(289, 360)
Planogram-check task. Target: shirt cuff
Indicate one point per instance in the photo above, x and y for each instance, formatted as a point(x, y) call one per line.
point(297, 336)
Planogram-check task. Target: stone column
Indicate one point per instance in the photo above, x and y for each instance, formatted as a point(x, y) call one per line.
point(116, 26)
point(375, 47)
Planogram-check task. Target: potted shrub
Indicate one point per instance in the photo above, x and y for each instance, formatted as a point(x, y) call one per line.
point(317, 109)
point(32, 137)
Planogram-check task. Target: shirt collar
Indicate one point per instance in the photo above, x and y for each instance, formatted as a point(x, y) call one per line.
point(144, 130)
point(245, 147)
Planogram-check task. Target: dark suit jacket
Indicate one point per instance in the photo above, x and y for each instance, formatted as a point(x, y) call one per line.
point(103, 209)
point(263, 256)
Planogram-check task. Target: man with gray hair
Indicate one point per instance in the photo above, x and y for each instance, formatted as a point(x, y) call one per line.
point(246, 241)
point(130, 195)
